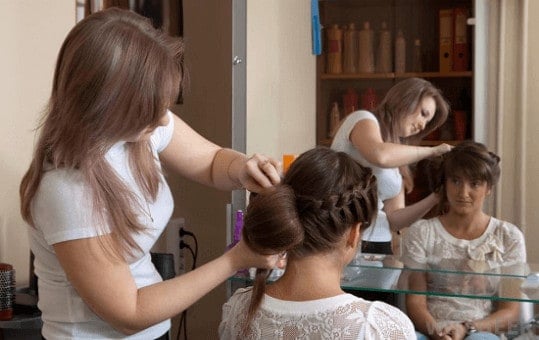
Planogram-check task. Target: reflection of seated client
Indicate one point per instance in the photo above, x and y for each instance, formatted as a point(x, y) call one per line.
point(315, 215)
point(465, 236)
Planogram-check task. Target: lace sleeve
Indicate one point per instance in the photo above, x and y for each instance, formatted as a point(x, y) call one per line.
point(387, 322)
point(414, 247)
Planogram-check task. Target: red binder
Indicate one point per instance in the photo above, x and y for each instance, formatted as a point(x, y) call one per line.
point(461, 54)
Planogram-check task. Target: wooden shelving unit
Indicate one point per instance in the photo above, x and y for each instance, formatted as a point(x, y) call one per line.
point(456, 86)
point(392, 75)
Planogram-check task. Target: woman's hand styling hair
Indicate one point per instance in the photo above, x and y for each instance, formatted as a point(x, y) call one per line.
point(260, 172)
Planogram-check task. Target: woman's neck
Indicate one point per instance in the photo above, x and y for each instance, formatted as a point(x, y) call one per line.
point(465, 226)
point(310, 278)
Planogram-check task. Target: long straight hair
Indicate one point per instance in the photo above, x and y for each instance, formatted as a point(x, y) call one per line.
point(115, 76)
point(401, 101)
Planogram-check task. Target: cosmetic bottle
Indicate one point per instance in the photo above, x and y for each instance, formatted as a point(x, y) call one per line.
point(400, 53)
point(334, 50)
point(334, 119)
point(350, 49)
point(384, 53)
point(366, 53)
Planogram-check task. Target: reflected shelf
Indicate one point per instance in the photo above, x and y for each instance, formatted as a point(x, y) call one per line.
point(393, 75)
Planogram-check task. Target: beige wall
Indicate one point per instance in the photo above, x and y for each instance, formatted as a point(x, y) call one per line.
point(518, 119)
point(532, 132)
point(31, 33)
point(281, 83)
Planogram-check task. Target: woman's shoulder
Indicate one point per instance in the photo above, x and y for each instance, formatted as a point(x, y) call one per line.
point(356, 116)
point(62, 183)
point(241, 296)
point(163, 134)
point(396, 322)
point(341, 141)
point(506, 227)
point(420, 225)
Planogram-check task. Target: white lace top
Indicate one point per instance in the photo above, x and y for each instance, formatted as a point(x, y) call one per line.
point(340, 317)
point(428, 242)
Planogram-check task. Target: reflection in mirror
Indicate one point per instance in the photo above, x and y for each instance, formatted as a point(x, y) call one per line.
point(167, 15)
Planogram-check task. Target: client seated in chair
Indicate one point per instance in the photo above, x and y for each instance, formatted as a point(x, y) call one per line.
point(462, 235)
point(316, 216)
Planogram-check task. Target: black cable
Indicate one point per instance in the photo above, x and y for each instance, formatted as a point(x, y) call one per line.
point(194, 254)
point(183, 325)
point(183, 233)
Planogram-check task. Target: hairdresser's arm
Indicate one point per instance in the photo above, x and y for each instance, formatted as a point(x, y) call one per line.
point(106, 285)
point(401, 216)
point(200, 160)
point(367, 138)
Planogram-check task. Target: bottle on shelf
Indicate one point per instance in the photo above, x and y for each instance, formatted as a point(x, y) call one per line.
point(350, 49)
point(384, 55)
point(334, 119)
point(417, 64)
point(369, 99)
point(334, 50)
point(350, 101)
point(366, 45)
point(238, 227)
point(400, 53)
point(459, 121)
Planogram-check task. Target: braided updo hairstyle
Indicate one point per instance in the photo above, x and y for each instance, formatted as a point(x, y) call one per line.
point(322, 196)
point(468, 159)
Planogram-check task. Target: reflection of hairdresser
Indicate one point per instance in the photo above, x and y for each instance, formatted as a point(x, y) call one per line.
point(388, 139)
point(316, 215)
point(465, 233)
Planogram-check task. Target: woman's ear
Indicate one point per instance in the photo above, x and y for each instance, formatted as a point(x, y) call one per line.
point(353, 236)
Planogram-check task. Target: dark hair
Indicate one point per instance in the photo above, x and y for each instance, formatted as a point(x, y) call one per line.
point(469, 159)
point(115, 76)
point(322, 196)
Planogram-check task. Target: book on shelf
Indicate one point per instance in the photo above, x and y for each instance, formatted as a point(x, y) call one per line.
point(446, 40)
point(461, 55)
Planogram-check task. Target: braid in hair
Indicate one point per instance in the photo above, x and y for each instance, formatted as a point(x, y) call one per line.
point(323, 195)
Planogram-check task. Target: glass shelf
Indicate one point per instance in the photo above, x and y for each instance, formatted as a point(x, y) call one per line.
point(466, 279)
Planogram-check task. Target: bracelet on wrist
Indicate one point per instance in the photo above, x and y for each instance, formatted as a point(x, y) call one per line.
point(470, 327)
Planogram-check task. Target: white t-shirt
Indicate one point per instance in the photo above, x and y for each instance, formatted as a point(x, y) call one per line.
point(389, 179)
point(61, 210)
point(428, 243)
point(340, 317)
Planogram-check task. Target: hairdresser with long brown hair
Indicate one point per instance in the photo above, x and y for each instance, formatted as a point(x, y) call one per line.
point(95, 195)
point(316, 216)
point(387, 141)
